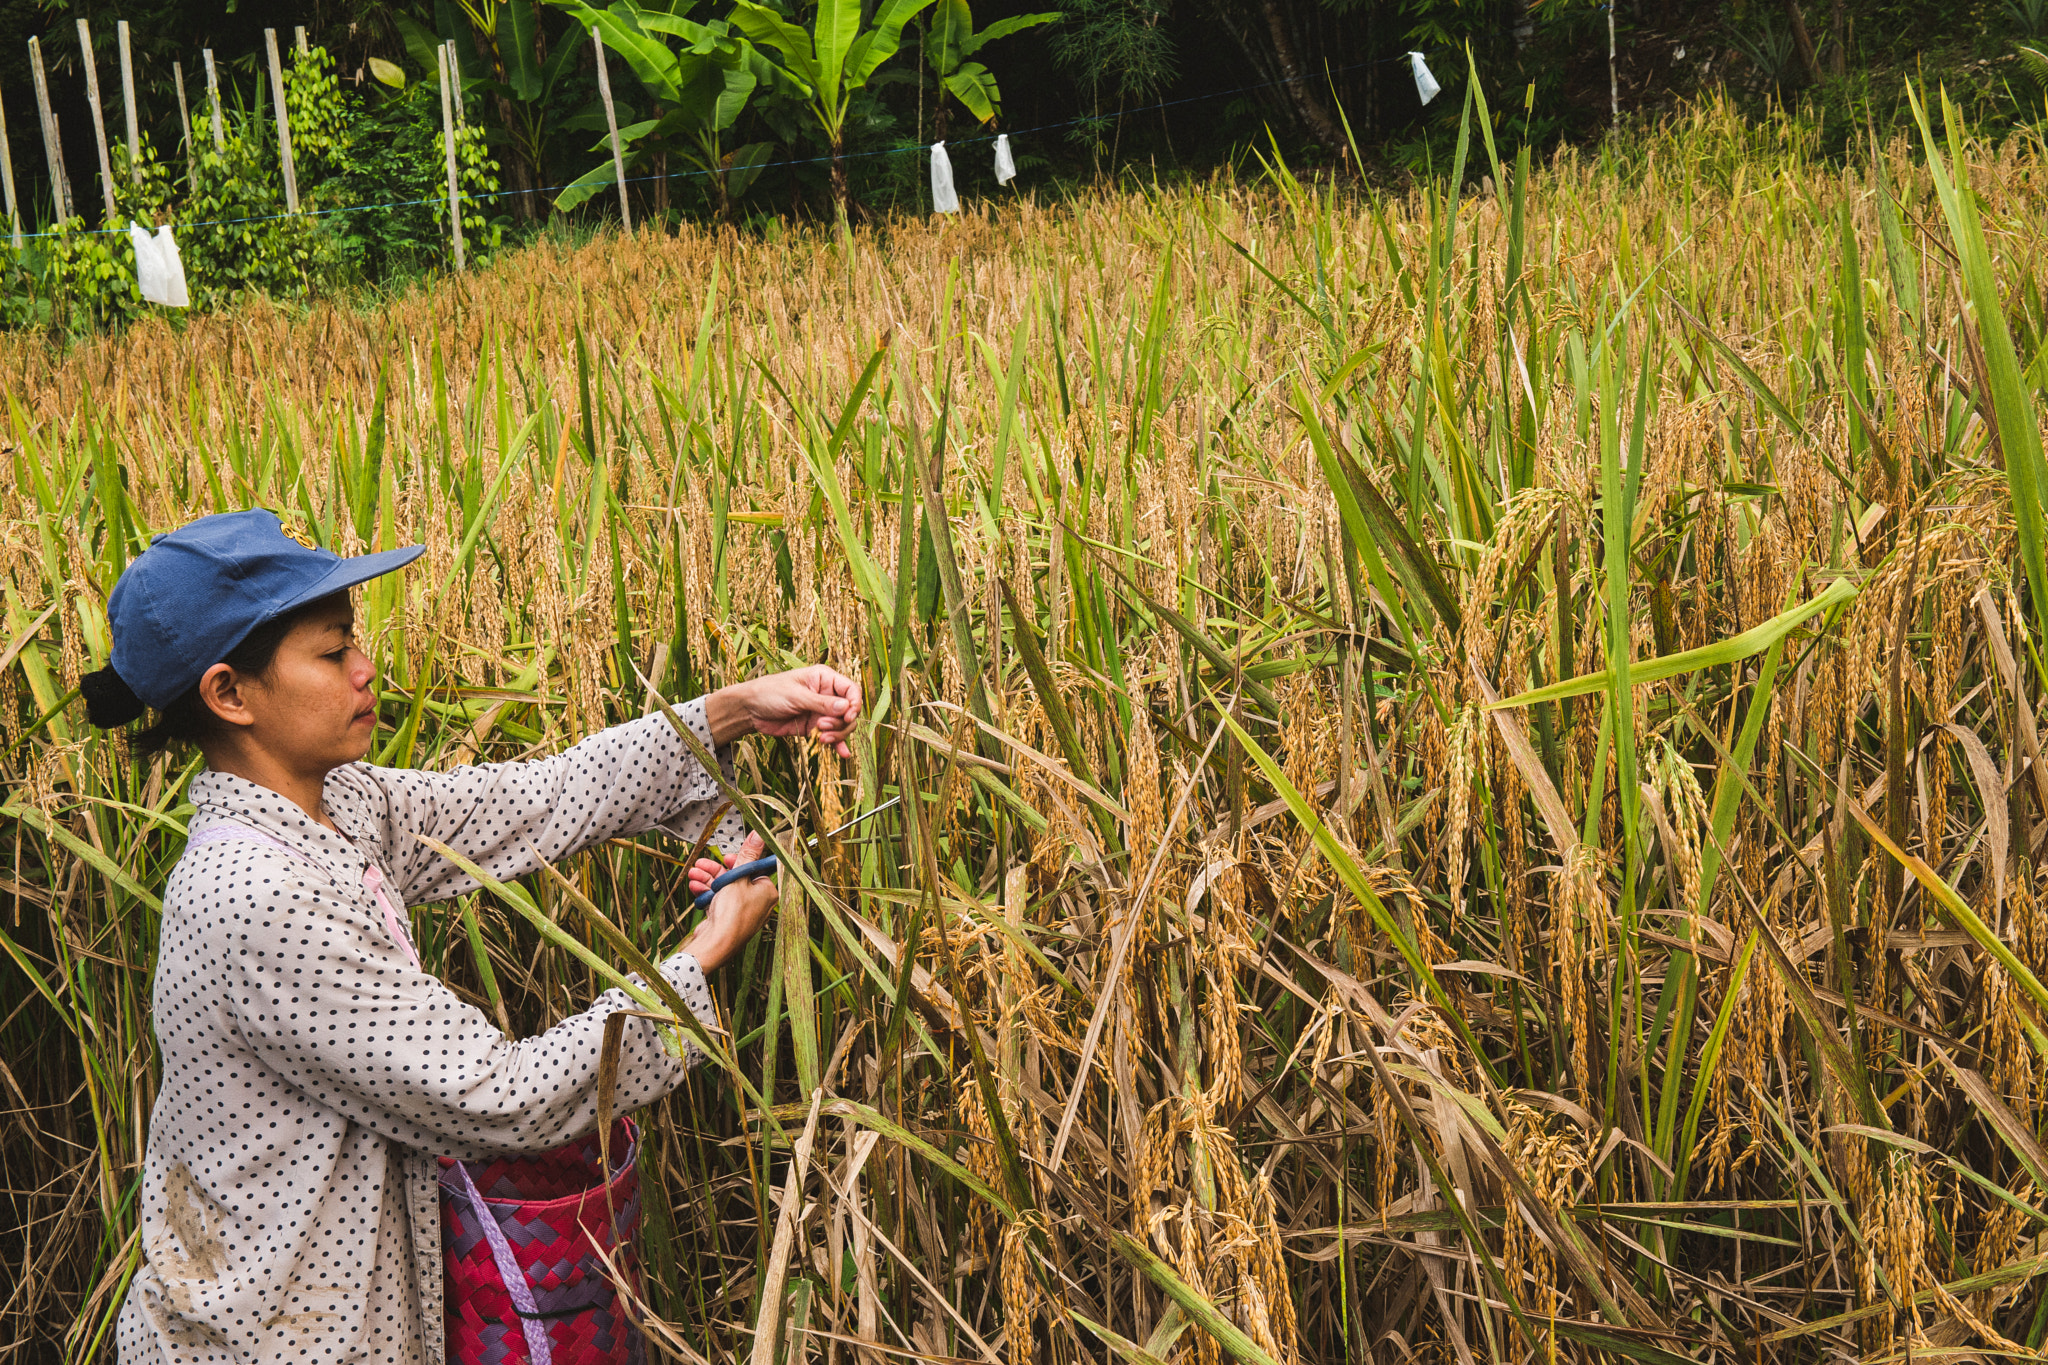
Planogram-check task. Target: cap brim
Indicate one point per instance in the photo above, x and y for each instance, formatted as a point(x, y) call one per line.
point(350, 572)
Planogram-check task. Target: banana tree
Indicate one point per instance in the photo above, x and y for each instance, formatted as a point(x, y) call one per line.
point(501, 59)
point(701, 87)
point(831, 63)
point(948, 45)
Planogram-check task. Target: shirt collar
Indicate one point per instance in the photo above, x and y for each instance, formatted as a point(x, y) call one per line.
point(221, 795)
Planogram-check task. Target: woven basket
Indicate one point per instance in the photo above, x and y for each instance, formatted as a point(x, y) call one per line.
point(552, 1217)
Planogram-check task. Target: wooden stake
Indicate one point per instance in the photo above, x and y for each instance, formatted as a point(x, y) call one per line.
point(448, 145)
point(611, 121)
point(284, 124)
point(53, 143)
point(455, 75)
point(184, 115)
point(7, 178)
point(1613, 79)
point(220, 137)
point(128, 104)
point(99, 121)
point(299, 36)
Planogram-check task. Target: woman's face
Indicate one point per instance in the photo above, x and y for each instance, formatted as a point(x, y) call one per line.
point(313, 709)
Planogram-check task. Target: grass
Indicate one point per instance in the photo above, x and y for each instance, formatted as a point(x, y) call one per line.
point(1243, 978)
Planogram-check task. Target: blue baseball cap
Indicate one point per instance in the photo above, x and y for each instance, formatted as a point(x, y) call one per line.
point(198, 591)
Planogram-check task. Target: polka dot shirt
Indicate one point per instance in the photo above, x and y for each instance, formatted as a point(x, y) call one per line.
point(312, 1072)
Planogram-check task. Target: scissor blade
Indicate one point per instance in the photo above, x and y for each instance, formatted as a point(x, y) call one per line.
point(868, 815)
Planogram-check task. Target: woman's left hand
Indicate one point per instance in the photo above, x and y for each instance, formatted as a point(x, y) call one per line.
point(818, 701)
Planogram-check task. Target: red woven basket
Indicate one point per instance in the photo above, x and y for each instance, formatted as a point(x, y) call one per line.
point(552, 1218)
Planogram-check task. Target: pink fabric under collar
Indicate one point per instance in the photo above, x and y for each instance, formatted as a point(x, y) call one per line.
point(373, 876)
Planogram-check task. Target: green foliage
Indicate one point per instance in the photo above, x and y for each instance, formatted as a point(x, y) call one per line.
point(476, 172)
point(529, 89)
point(2029, 18)
point(233, 232)
point(144, 188)
point(831, 62)
point(720, 100)
point(20, 288)
point(952, 40)
point(81, 280)
point(89, 278)
point(391, 161)
point(1119, 49)
point(700, 87)
point(2034, 63)
point(373, 201)
point(1765, 41)
point(385, 151)
point(319, 115)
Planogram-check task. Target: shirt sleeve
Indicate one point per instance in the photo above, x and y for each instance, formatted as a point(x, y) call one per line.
point(328, 1003)
point(509, 818)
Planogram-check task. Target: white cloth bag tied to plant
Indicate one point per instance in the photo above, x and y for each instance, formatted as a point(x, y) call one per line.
point(1006, 169)
point(159, 270)
point(1425, 84)
point(944, 200)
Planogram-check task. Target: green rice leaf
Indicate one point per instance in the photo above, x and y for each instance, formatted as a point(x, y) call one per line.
point(1731, 650)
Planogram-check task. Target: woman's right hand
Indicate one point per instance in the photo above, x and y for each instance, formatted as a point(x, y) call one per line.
point(817, 701)
point(737, 911)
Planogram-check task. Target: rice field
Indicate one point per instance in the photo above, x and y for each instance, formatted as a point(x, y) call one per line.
point(1238, 980)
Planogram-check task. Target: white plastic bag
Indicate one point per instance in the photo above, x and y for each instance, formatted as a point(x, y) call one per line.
point(1425, 84)
point(174, 268)
point(944, 200)
point(159, 270)
point(1006, 169)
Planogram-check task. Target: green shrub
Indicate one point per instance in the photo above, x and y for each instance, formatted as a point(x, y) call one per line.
point(372, 203)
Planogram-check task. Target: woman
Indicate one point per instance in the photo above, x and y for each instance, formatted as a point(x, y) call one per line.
point(312, 1071)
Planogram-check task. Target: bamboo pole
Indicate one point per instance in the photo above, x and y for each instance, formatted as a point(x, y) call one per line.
point(7, 179)
point(611, 121)
point(99, 121)
point(53, 141)
point(446, 61)
point(184, 117)
point(128, 104)
point(220, 137)
point(284, 124)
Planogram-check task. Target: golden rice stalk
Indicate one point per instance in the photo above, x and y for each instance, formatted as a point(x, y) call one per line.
point(1190, 1258)
point(1580, 940)
point(1021, 1296)
point(1141, 797)
point(1463, 774)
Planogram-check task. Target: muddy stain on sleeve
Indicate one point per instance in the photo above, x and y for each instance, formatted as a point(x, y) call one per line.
point(191, 1216)
point(303, 1316)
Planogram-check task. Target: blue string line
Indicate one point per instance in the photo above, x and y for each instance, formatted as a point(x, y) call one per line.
point(464, 198)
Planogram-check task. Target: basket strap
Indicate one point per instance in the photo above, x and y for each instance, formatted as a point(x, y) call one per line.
point(373, 876)
point(537, 1345)
point(230, 829)
point(394, 923)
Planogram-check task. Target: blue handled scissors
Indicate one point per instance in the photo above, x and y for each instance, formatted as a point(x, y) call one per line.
point(767, 867)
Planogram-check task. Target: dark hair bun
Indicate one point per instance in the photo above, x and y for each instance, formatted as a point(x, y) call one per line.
point(109, 702)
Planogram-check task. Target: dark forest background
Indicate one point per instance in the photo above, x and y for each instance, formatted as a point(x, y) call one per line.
point(1116, 88)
